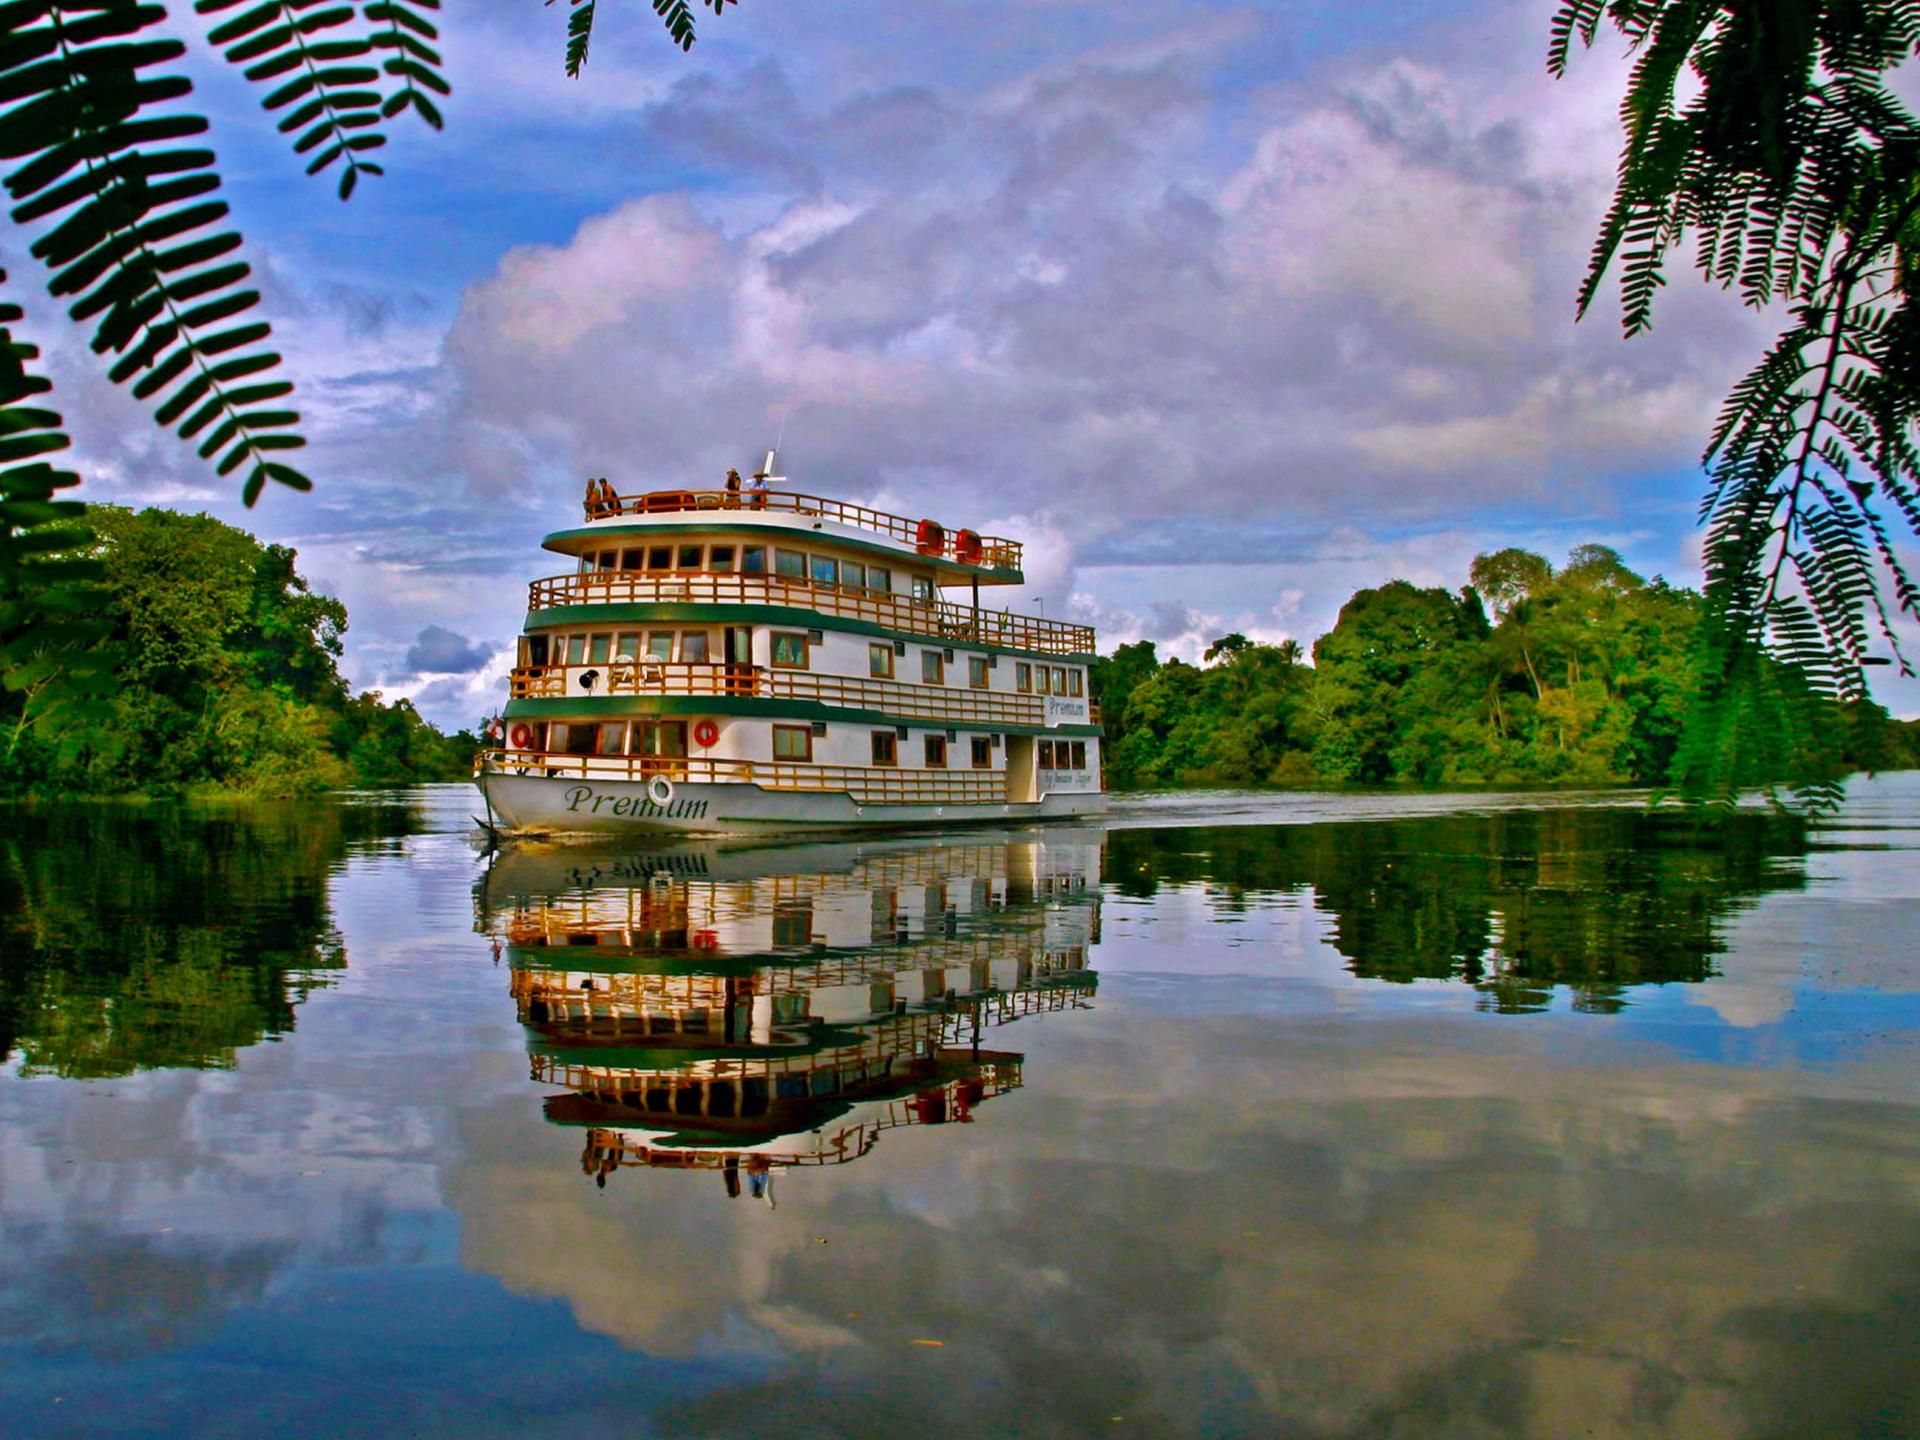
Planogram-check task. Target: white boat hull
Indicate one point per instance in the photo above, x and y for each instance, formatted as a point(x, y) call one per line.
point(539, 804)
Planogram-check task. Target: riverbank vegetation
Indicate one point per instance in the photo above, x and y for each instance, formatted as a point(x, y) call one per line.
point(225, 678)
point(1582, 675)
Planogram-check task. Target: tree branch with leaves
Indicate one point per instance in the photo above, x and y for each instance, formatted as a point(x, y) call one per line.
point(1767, 136)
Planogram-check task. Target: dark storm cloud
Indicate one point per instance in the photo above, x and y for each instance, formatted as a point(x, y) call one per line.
point(440, 651)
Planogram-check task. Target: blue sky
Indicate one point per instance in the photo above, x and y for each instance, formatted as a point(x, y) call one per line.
point(1226, 309)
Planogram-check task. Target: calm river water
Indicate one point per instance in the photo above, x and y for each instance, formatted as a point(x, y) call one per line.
point(1243, 1116)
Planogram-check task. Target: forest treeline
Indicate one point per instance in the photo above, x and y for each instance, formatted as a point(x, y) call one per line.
point(1530, 675)
point(226, 671)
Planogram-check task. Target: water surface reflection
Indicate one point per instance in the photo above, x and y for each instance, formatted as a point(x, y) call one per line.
point(746, 1011)
point(1625, 1148)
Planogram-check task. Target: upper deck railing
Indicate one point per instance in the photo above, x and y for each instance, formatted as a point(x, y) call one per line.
point(927, 537)
point(938, 618)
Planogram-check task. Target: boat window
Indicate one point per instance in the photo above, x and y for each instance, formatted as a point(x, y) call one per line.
point(886, 749)
point(586, 565)
point(1023, 677)
point(790, 649)
point(626, 646)
point(609, 560)
point(576, 649)
point(1079, 754)
point(853, 575)
point(793, 742)
point(598, 648)
point(933, 669)
point(660, 645)
point(693, 646)
point(936, 752)
point(1046, 754)
point(982, 753)
point(792, 925)
point(879, 578)
point(880, 661)
point(720, 559)
point(826, 570)
point(790, 563)
point(613, 737)
point(690, 557)
point(923, 587)
point(753, 560)
point(977, 672)
point(1040, 681)
point(581, 738)
point(536, 649)
point(633, 559)
point(659, 557)
point(1059, 680)
point(660, 737)
point(1073, 682)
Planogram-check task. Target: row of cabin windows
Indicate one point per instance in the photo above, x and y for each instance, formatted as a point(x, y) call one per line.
point(1063, 755)
point(790, 650)
point(692, 647)
point(1046, 679)
point(797, 565)
point(886, 750)
point(666, 738)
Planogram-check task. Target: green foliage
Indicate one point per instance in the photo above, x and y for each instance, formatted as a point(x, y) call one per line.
point(138, 937)
point(1591, 677)
point(225, 671)
point(53, 665)
point(1769, 135)
point(1515, 904)
point(676, 15)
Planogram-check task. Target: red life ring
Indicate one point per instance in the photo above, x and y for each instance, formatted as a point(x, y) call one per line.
point(706, 940)
point(521, 736)
point(705, 733)
point(930, 538)
point(967, 548)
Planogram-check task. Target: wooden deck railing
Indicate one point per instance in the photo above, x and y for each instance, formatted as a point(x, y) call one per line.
point(866, 784)
point(927, 537)
point(949, 704)
point(937, 618)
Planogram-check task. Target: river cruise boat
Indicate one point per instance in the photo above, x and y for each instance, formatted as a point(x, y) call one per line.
point(752, 659)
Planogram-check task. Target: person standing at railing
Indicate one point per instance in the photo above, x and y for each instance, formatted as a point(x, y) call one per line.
point(732, 502)
point(757, 487)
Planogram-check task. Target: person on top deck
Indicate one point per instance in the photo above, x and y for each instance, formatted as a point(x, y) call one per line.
point(732, 501)
point(758, 487)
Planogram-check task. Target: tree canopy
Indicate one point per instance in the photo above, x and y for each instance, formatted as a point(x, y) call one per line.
point(1587, 678)
point(1769, 136)
point(226, 678)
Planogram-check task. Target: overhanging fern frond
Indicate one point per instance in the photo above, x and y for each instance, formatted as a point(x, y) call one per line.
point(53, 652)
point(136, 248)
point(322, 76)
point(414, 65)
point(676, 15)
point(1769, 132)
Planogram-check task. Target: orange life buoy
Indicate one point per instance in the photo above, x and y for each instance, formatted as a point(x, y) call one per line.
point(705, 733)
point(521, 736)
point(931, 538)
point(967, 548)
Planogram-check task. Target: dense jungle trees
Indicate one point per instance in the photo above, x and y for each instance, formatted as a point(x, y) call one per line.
point(226, 671)
point(1582, 676)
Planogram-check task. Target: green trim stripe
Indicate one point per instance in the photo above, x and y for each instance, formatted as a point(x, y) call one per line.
point(565, 707)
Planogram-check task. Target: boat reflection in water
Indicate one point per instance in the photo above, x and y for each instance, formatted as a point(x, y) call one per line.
point(748, 1010)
